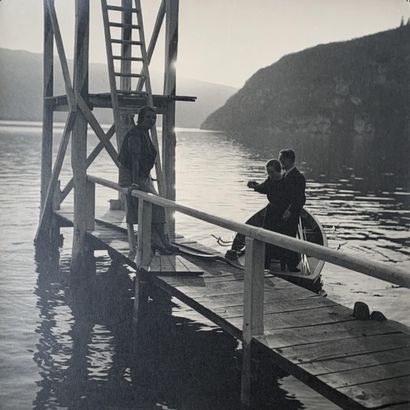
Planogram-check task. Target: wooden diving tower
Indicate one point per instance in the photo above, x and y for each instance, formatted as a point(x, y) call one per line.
point(128, 59)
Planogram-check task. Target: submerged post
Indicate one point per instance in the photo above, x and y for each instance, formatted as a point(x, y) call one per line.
point(79, 136)
point(252, 309)
point(47, 133)
point(168, 125)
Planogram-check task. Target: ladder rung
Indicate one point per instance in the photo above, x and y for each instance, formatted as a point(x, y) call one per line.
point(128, 75)
point(128, 58)
point(124, 25)
point(118, 41)
point(119, 8)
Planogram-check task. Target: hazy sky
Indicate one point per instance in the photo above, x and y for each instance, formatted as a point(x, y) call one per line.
point(221, 41)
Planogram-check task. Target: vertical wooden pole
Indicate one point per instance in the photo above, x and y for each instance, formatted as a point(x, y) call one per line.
point(55, 226)
point(90, 206)
point(252, 309)
point(144, 253)
point(47, 135)
point(79, 137)
point(168, 125)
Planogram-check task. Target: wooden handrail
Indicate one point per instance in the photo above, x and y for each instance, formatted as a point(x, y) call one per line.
point(396, 275)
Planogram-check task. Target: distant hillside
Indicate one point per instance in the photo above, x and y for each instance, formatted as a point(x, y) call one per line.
point(21, 90)
point(340, 105)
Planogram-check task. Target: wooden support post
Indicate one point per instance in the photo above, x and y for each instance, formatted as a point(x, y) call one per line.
point(252, 309)
point(144, 253)
point(144, 250)
point(130, 232)
point(47, 209)
point(55, 226)
point(90, 206)
point(79, 138)
point(56, 201)
point(47, 135)
point(132, 243)
point(168, 125)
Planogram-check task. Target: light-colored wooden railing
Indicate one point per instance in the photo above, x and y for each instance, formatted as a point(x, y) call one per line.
point(379, 270)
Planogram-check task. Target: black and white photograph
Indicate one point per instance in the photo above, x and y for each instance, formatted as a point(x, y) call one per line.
point(205, 204)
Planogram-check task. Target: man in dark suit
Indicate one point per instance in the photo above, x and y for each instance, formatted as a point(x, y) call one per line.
point(294, 191)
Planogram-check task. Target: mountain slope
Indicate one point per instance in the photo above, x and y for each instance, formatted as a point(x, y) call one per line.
point(21, 89)
point(339, 105)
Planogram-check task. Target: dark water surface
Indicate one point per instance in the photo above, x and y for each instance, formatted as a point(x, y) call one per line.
point(66, 344)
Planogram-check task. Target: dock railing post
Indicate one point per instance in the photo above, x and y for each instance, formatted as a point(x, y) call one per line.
point(252, 309)
point(144, 251)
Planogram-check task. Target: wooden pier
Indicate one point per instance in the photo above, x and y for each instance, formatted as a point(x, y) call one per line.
point(357, 364)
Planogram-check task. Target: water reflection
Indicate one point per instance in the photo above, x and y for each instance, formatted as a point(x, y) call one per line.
point(91, 355)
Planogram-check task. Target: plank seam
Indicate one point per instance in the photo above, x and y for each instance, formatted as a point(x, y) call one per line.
point(347, 355)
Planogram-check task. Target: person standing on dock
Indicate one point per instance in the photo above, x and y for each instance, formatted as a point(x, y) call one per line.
point(294, 184)
point(137, 158)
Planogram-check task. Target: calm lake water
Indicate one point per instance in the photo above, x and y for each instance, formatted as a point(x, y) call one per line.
point(65, 345)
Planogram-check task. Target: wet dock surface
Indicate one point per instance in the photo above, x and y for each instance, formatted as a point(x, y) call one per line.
point(354, 363)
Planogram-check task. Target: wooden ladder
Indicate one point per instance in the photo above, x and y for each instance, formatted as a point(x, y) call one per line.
point(127, 20)
point(132, 37)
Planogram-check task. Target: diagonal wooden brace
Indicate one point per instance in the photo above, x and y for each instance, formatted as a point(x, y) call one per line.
point(90, 160)
point(56, 172)
point(89, 116)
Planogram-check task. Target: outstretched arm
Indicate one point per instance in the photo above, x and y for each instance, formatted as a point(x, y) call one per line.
point(261, 188)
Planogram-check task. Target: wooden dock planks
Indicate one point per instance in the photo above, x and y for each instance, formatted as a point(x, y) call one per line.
point(356, 364)
point(173, 265)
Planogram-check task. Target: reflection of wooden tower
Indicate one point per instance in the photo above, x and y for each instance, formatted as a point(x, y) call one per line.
point(123, 25)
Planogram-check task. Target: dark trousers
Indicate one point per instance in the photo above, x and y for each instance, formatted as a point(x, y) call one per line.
point(288, 257)
point(272, 222)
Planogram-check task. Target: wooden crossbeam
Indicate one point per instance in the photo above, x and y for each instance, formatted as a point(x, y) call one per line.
point(89, 116)
point(61, 54)
point(56, 170)
point(90, 160)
